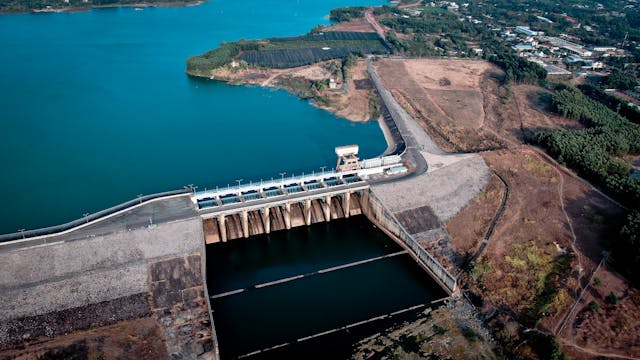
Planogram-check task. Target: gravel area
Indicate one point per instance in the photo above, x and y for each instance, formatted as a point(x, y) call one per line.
point(65, 275)
point(59, 260)
point(446, 190)
point(76, 291)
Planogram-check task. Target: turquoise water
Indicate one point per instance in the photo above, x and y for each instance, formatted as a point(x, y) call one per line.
point(96, 108)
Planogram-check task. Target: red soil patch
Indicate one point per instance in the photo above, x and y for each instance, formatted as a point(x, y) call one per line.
point(133, 339)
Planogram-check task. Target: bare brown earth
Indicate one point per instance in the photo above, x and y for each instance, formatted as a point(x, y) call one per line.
point(523, 248)
point(132, 339)
point(550, 232)
point(481, 211)
point(354, 104)
point(550, 238)
point(613, 328)
point(445, 97)
point(350, 102)
point(626, 97)
point(356, 25)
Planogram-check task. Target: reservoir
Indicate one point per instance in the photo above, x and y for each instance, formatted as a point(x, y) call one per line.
point(323, 294)
point(97, 109)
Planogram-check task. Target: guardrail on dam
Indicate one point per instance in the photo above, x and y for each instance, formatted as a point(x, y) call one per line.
point(57, 229)
point(375, 210)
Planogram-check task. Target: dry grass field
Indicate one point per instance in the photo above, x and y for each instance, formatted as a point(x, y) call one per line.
point(549, 240)
point(445, 97)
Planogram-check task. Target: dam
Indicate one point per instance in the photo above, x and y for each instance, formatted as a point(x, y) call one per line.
point(162, 256)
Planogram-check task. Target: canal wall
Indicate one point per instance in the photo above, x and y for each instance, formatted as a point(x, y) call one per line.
point(53, 287)
point(377, 213)
point(280, 218)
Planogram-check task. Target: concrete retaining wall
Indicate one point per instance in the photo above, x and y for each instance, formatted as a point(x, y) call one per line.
point(375, 210)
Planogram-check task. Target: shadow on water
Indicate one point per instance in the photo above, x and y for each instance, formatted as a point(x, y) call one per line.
point(263, 317)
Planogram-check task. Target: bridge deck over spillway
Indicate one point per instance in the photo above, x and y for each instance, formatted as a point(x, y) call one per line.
point(272, 192)
point(276, 204)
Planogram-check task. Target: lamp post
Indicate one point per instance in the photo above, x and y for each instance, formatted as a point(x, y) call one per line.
point(282, 174)
point(239, 181)
point(22, 232)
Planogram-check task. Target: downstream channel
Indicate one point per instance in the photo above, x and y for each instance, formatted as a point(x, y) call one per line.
point(282, 289)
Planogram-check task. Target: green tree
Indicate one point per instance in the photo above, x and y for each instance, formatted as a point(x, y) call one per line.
point(619, 80)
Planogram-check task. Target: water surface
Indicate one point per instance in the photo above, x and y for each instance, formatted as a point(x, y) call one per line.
point(96, 107)
point(263, 317)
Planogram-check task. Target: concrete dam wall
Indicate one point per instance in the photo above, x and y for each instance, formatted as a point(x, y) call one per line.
point(152, 274)
point(256, 222)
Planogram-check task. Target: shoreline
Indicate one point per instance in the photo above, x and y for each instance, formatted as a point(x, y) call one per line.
point(269, 80)
point(89, 7)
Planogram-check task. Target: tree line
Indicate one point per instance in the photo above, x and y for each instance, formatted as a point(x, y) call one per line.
point(346, 13)
point(517, 69)
point(596, 152)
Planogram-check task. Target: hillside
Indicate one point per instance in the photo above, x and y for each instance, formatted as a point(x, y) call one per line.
point(281, 53)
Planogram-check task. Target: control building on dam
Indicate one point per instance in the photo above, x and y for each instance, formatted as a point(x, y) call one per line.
point(146, 259)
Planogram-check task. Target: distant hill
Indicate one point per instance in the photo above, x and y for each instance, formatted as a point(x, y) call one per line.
point(21, 6)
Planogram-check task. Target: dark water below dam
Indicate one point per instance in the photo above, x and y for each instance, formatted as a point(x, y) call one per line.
point(258, 314)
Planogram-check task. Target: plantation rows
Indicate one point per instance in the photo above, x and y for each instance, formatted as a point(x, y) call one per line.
point(288, 58)
point(330, 35)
